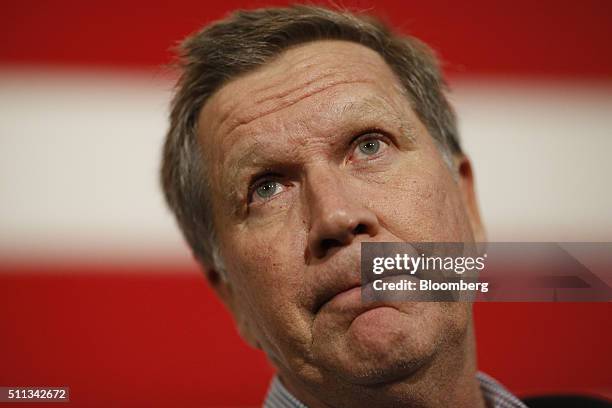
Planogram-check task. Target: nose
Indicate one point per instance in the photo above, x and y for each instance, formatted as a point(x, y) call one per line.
point(336, 216)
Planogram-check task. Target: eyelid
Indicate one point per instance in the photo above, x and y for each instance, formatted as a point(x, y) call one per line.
point(373, 134)
point(258, 180)
point(370, 135)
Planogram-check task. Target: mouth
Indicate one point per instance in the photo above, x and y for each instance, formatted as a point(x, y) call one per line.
point(352, 298)
point(347, 291)
point(344, 285)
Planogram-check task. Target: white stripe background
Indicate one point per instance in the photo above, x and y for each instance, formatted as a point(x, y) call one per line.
point(80, 152)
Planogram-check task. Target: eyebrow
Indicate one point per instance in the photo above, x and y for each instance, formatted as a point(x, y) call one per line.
point(372, 109)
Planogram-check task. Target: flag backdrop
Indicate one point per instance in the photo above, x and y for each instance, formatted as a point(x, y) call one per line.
point(97, 289)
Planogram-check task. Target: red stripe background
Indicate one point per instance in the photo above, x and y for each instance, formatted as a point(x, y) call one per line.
point(521, 37)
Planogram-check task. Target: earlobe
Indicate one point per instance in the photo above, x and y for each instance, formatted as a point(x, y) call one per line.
point(213, 276)
point(467, 186)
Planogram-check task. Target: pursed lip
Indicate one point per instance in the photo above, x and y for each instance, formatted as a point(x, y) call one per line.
point(343, 291)
point(345, 276)
point(348, 305)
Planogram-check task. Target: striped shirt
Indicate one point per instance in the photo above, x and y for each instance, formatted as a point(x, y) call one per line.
point(495, 395)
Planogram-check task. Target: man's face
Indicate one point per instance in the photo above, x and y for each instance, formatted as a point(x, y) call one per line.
point(310, 155)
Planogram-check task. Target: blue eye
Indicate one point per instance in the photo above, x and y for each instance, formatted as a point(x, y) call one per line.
point(267, 189)
point(369, 147)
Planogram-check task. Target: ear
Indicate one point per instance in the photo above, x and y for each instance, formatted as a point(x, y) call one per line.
point(224, 290)
point(467, 186)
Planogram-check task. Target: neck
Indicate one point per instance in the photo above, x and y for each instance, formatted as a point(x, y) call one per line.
point(449, 379)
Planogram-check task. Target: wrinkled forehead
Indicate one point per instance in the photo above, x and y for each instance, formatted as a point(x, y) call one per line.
point(294, 75)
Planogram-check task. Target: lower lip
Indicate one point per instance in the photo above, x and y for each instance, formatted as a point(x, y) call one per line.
point(372, 316)
point(348, 296)
point(353, 296)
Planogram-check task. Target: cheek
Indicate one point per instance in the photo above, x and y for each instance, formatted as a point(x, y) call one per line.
point(266, 269)
point(421, 202)
point(264, 266)
point(266, 256)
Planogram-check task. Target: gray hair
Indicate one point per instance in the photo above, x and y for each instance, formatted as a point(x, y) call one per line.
point(248, 39)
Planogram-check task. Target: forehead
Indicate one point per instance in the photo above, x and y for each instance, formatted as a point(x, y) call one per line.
point(296, 74)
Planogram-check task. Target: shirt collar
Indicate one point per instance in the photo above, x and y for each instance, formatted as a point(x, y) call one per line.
point(495, 395)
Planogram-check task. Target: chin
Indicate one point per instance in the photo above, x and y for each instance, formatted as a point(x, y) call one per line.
point(384, 345)
point(396, 368)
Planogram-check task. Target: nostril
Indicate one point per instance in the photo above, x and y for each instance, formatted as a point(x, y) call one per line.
point(329, 243)
point(360, 229)
point(323, 246)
